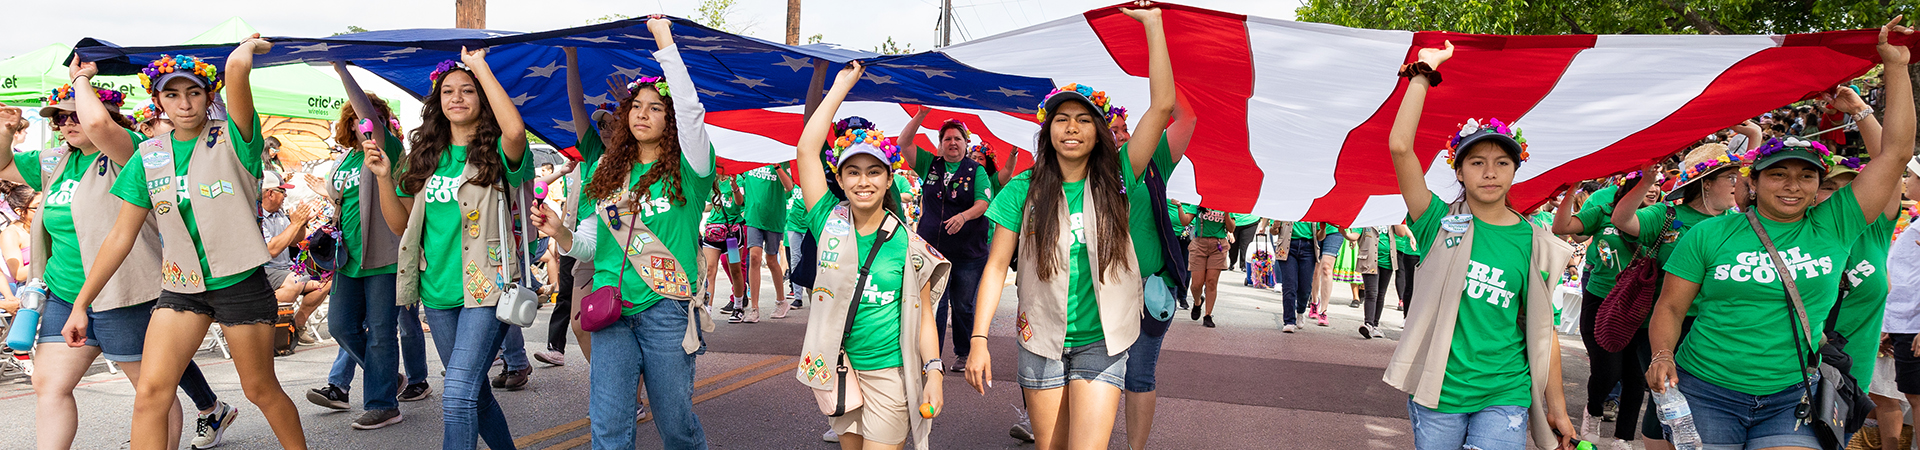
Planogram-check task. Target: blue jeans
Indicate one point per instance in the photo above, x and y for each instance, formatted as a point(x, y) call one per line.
point(1296, 279)
point(963, 288)
point(362, 321)
point(413, 352)
point(514, 349)
point(472, 339)
point(645, 343)
point(1730, 419)
point(1493, 428)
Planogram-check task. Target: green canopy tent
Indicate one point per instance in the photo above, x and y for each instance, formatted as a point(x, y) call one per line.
point(288, 91)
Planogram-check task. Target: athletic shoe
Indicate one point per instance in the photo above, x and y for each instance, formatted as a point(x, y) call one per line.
point(377, 419)
point(642, 413)
point(1369, 331)
point(780, 312)
point(25, 362)
point(513, 380)
point(331, 397)
point(1022, 430)
point(1354, 304)
point(1616, 444)
point(416, 392)
point(830, 436)
point(753, 315)
point(551, 358)
point(736, 317)
point(959, 364)
point(306, 336)
point(1289, 328)
point(1183, 303)
point(1195, 312)
point(1208, 322)
point(1610, 410)
point(1323, 320)
point(1589, 425)
point(211, 427)
point(730, 308)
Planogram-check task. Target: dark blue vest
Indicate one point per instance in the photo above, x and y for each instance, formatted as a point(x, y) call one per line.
point(944, 194)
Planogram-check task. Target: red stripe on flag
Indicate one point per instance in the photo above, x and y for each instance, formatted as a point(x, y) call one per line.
point(1213, 60)
point(778, 126)
point(1001, 147)
point(1489, 76)
point(1766, 80)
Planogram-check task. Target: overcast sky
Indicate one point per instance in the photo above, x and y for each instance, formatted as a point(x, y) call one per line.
point(854, 23)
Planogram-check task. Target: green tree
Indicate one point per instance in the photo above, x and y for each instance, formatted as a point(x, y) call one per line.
point(608, 18)
point(1607, 16)
point(816, 38)
point(892, 48)
point(351, 29)
point(720, 15)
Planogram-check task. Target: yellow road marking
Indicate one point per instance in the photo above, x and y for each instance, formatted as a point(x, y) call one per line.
point(568, 427)
point(584, 440)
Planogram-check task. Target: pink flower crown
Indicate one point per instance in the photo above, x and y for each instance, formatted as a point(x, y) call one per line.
point(65, 92)
point(862, 136)
point(441, 70)
point(983, 148)
point(179, 63)
point(659, 84)
point(1474, 126)
point(1099, 99)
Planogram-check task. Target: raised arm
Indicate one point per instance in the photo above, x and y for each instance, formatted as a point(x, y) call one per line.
point(688, 114)
point(576, 96)
point(513, 131)
point(363, 107)
point(1880, 179)
point(240, 85)
point(1160, 85)
point(813, 177)
point(1626, 209)
point(107, 136)
point(1563, 221)
point(909, 150)
point(1406, 124)
point(1180, 132)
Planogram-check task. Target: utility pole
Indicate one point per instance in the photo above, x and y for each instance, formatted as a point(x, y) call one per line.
point(793, 22)
point(470, 14)
point(946, 24)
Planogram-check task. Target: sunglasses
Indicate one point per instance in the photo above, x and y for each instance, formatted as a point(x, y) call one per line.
point(63, 118)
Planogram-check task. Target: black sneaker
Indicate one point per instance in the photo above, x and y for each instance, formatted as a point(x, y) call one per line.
point(1366, 331)
point(331, 397)
point(1208, 322)
point(1195, 311)
point(416, 392)
point(797, 304)
point(377, 419)
point(959, 364)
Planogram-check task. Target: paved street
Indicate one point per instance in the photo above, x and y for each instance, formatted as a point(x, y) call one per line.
point(1240, 386)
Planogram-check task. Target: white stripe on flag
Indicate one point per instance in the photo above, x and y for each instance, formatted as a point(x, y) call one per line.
point(1065, 51)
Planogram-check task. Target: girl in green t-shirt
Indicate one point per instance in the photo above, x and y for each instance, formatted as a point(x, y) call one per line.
point(1070, 216)
point(1747, 344)
point(659, 162)
point(468, 122)
point(720, 247)
point(1499, 342)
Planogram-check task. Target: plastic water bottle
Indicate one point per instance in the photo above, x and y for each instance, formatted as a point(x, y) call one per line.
point(1678, 417)
point(26, 323)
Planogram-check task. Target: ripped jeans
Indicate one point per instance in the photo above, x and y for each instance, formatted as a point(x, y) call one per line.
point(1493, 428)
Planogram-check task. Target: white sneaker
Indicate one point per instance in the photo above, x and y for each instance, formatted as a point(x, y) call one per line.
point(1616, 444)
point(211, 427)
point(1289, 328)
point(830, 436)
point(1589, 425)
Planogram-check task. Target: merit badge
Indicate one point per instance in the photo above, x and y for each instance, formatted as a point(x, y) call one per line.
point(493, 253)
point(833, 242)
point(156, 160)
point(214, 189)
point(213, 135)
point(1453, 241)
point(837, 225)
point(473, 230)
point(830, 256)
point(155, 187)
point(1026, 328)
point(163, 207)
point(918, 262)
point(1456, 223)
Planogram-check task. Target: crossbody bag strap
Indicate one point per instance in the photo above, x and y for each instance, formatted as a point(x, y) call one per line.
point(1786, 278)
point(1659, 238)
point(632, 232)
point(860, 283)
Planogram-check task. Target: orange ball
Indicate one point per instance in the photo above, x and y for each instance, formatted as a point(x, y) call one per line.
point(926, 410)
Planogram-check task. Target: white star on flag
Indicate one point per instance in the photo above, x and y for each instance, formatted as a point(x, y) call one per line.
point(546, 71)
point(521, 100)
point(596, 40)
point(314, 47)
point(794, 63)
point(953, 96)
point(599, 99)
point(633, 73)
point(878, 79)
point(710, 93)
point(706, 48)
point(750, 83)
point(931, 72)
point(1003, 90)
point(400, 51)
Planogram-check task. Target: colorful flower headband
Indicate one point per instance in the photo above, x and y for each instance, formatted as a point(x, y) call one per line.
point(441, 70)
point(146, 113)
point(1474, 126)
point(65, 92)
point(1849, 162)
point(1117, 114)
point(863, 136)
point(659, 84)
point(1688, 174)
point(1777, 145)
point(179, 63)
point(982, 148)
point(1099, 99)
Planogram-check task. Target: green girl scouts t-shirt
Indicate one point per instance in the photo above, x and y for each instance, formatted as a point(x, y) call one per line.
point(441, 286)
point(1866, 302)
point(1740, 339)
point(1385, 256)
point(1487, 365)
point(1212, 223)
point(674, 224)
point(132, 187)
point(345, 182)
point(64, 274)
point(874, 343)
point(725, 209)
point(1241, 219)
point(796, 220)
point(1608, 254)
point(766, 207)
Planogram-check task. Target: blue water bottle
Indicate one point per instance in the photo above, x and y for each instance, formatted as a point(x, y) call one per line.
point(26, 324)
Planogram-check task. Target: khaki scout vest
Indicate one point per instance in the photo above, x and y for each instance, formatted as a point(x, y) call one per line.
point(1043, 303)
point(379, 247)
point(1419, 363)
point(655, 263)
point(484, 248)
point(223, 192)
point(137, 281)
point(833, 294)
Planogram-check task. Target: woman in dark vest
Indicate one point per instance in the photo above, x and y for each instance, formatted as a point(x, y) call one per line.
point(201, 180)
point(954, 191)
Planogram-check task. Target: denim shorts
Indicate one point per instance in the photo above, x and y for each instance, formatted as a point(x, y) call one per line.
point(1086, 362)
point(1142, 358)
point(1330, 245)
point(1498, 427)
point(248, 302)
point(120, 333)
point(1729, 420)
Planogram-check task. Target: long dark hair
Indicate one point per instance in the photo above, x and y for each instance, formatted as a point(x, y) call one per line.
point(619, 160)
point(435, 134)
point(1044, 197)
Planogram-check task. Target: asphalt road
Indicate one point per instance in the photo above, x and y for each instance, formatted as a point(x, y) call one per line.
point(1243, 385)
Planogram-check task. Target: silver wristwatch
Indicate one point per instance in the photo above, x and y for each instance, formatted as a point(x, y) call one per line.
point(933, 366)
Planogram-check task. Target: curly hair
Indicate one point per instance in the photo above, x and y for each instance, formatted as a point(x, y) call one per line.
point(618, 161)
point(345, 130)
point(435, 134)
point(1044, 197)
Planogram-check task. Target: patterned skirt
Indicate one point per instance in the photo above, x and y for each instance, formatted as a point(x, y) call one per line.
point(1345, 266)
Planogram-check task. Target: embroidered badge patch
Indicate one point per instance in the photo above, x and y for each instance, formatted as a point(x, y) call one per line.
point(215, 189)
point(1456, 223)
point(213, 135)
point(918, 262)
point(162, 207)
point(155, 187)
point(156, 160)
point(821, 295)
point(493, 253)
point(830, 256)
point(473, 230)
point(1026, 329)
point(838, 226)
point(478, 285)
point(814, 367)
point(1453, 241)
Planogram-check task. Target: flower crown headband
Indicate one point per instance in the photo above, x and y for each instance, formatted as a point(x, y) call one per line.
point(861, 136)
point(146, 113)
point(982, 148)
point(1688, 174)
point(1777, 145)
point(659, 84)
point(1099, 99)
point(1850, 162)
point(1474, 126)
point(65, 92)
point(1117, 114)
point(179, 63)
point(441, 70)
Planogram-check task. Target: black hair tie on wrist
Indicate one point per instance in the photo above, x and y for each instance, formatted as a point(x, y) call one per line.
point(1421, 69)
